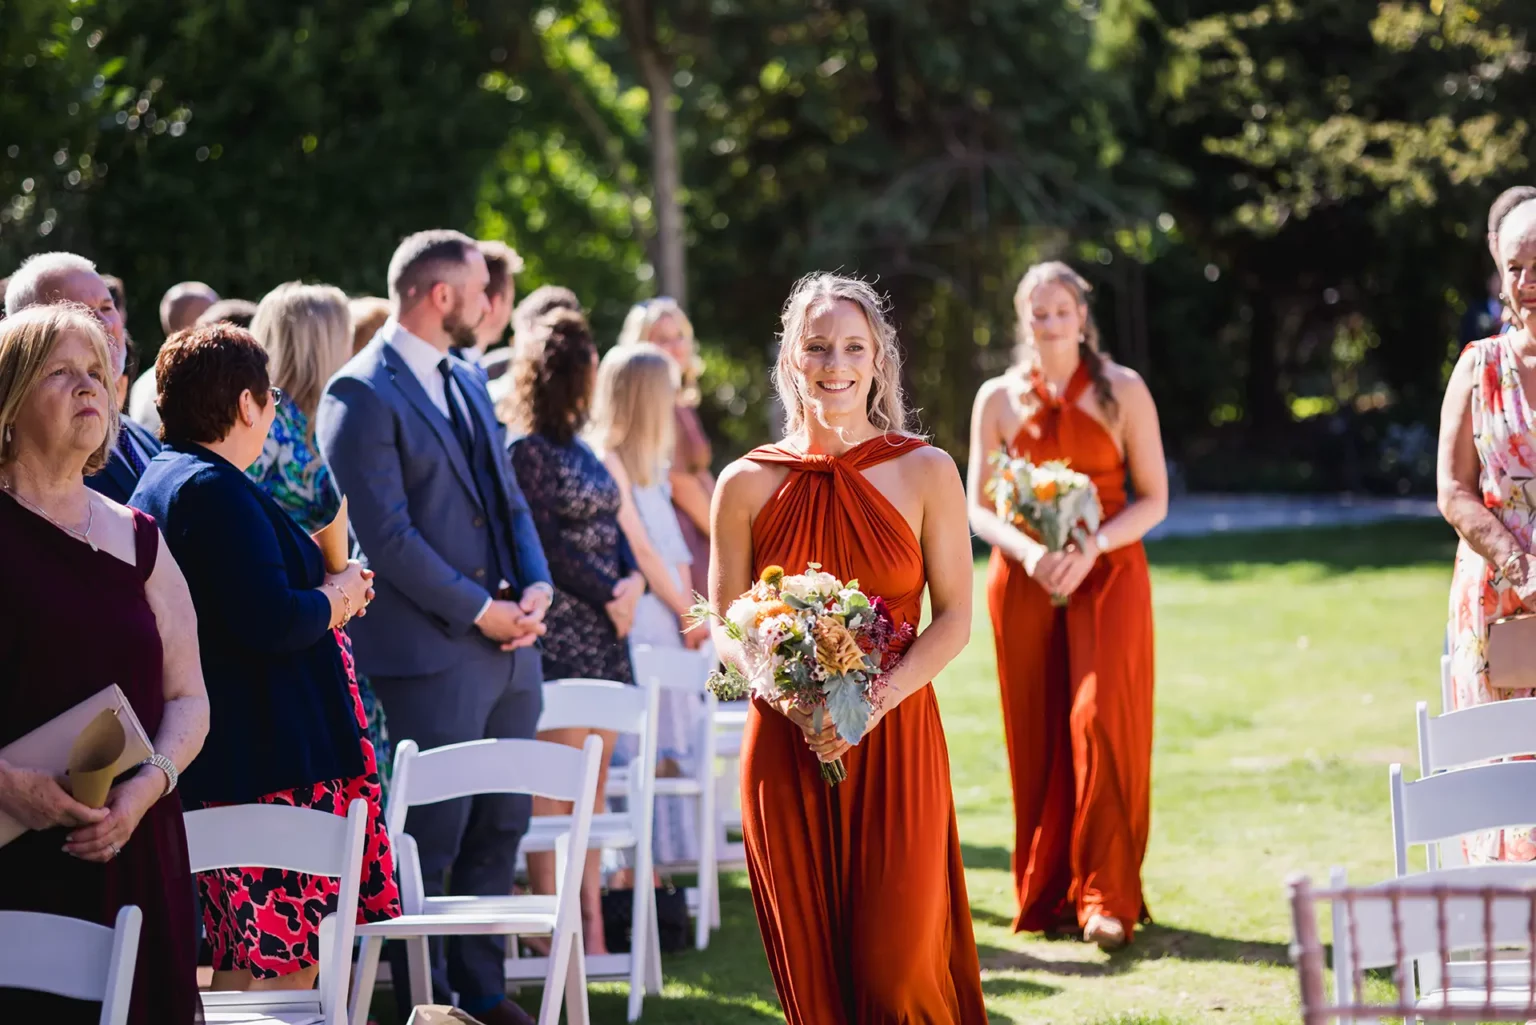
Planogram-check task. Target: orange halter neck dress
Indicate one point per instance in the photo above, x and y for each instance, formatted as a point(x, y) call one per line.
point(859, 888)
point(1077, 700)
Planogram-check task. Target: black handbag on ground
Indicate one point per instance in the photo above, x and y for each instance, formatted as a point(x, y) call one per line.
point(671, 919)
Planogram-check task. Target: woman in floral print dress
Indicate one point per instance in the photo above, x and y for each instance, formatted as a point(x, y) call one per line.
point(1487, 488)
point(307, 332)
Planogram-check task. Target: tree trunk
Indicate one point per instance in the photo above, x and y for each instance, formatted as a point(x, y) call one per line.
point(666, 173)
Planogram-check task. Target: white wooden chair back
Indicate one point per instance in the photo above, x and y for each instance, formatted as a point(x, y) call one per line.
point(72, 958)
point(686, 671)
point(474, 767)
point(1480, 733)
point(620, 708)
point(1426, 920)
point(533, 767)
point(1461, 801)
point(1471, 736)
point(297, 840)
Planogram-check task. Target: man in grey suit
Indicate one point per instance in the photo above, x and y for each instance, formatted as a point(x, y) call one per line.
point(412, 441)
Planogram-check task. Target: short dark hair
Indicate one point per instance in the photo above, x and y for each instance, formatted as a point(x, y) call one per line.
point(540, 301)
point(422, 260)
point(239, 312)
point(502, 261)
point(199, 376)
point(552, 376)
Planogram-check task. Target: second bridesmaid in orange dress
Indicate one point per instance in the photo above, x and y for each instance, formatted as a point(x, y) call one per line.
point(859, 888)
point(1076, 681)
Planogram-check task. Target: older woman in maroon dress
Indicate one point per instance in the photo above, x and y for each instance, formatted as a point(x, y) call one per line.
point(90, 597)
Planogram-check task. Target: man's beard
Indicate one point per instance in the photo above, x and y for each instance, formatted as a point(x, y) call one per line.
point(463, 334)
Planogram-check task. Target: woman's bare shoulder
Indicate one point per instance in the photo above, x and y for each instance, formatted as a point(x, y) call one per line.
point(747, 485)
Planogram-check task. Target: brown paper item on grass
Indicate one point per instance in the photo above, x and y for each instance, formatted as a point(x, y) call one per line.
point(93, 759)
point(332, 539)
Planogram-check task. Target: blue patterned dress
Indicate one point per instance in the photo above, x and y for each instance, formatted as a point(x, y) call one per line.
point(291, 471)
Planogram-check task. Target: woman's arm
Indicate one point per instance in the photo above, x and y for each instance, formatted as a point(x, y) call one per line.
point(730, 548)
point(1459, 493)
point(183, 724)
point(947, 562)
point(1149, 470)
point(651, 564)
point(691, 494)
point(986, 440)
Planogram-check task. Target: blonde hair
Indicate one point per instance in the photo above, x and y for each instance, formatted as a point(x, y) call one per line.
point(643, 316)
point(1027, 355)
point(632, 409)
point(307, 332)
point(887, 404)
point(27, 340)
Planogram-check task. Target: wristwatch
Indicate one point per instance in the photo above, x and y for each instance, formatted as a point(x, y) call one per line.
point(1100, 543)
point(166, 766)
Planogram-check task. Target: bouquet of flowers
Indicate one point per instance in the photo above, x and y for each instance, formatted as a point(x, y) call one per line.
point(1054, 503)
point(821, 643)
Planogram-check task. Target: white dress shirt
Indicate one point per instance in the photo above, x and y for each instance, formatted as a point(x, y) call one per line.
point(423, 358)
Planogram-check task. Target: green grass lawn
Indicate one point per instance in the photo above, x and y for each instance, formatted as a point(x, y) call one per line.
point(1288, 667)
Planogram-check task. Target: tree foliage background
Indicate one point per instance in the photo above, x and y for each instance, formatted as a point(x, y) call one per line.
point(1281, 204)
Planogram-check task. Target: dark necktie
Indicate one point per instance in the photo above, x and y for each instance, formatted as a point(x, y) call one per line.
point(455, 414)
point(130, 453)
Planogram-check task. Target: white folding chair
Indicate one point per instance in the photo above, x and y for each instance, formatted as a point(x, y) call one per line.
point(1470, 736)
point(1425, 919)
point(620, 708)
point(72, 958)
point(1452, 804)
point(448, 773)
point(730, 723)
point(298, 840)
point(684, 671)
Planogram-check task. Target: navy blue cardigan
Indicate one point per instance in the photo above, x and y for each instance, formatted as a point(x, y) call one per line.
point(281, 709)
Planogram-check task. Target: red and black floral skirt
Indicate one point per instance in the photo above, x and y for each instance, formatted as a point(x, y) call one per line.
point(267, 920)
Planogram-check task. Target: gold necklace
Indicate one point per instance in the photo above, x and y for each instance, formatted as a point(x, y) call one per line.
point(90, 515)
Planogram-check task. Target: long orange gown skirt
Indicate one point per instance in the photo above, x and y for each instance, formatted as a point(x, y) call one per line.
point(859, 888)
point(1077, 701)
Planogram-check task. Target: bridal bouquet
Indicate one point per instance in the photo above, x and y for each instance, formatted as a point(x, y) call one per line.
point(1056, 504)
point(812, 639)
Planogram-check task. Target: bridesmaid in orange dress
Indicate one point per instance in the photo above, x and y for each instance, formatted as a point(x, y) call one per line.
point(1076, 681)
point(859, 888)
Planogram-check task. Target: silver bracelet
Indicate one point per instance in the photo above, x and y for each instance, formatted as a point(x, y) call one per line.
point(166, 766)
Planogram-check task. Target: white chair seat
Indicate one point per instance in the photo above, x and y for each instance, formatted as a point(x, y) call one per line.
point(464, 922)
point(235, 1017)
point(610, 831)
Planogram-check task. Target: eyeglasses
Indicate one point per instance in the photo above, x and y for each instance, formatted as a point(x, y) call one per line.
point(277, 396)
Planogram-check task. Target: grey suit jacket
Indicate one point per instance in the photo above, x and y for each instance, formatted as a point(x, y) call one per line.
point(416, 513)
